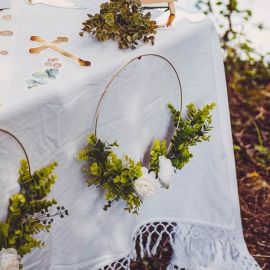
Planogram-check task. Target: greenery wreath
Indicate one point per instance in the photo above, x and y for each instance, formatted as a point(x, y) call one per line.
point(130, 181)
point(29, 213)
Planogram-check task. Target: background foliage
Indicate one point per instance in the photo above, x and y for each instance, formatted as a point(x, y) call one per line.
point(248, 79)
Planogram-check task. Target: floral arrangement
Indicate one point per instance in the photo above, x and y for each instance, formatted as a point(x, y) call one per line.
point(122, 21)
point(128, 180)
point(29, 214)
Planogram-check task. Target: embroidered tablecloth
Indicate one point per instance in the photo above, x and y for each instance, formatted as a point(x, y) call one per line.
point(200, 212)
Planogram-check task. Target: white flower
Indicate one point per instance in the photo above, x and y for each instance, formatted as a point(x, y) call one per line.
point(9, 259)
point(166, 171)
point(147, 184)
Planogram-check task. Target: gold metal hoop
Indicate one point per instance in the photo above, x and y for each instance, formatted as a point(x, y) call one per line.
point(105, 91)
point(20, 144)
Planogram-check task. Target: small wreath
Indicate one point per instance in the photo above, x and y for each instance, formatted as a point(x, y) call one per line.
point(130, 181)
point(29, 213)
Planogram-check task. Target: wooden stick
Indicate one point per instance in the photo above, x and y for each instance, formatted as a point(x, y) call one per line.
point(42, 48)
point(261, 256)
point(51, 45)
point(170, 5)
point(6, 17)
point(170, 20)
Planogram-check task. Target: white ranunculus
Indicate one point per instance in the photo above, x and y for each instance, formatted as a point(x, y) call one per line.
point(166, 171)
point(9, 259)
point(147, 184)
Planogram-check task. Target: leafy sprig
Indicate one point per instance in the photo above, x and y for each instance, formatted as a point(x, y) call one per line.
point(188, 132)
point(104, 169)
point(122, 21)
point(116, 177)
point(29, 211)
point(159, 148)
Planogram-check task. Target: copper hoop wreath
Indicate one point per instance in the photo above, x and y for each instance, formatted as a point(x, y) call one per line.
point(20, 144)
point(105, 91)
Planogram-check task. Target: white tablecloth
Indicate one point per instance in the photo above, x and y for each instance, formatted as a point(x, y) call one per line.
point(5, 4)
point(53, 120)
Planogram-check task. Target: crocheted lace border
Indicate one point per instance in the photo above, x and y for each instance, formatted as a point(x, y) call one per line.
point(195, 247)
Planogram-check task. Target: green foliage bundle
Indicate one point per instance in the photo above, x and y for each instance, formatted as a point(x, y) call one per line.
point(122, 21)
point(29, 210)
point(104, 169)
point(116, 176)
point(189, 131)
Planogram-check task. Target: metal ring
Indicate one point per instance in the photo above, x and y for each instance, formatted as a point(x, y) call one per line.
point(105, 91)
point(21, 145)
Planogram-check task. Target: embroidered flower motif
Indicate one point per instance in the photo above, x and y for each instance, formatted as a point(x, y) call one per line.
point(47, 64)
point(4, 53)
point(147, 184)
point(57, 65)
point(166, 171)
point(6, 17)
point(9, 259)
point(44, 77)
point(34, 83)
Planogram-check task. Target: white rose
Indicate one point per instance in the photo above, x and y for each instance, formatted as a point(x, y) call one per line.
point(166, 171)
point(147, 184)
point(9, 259)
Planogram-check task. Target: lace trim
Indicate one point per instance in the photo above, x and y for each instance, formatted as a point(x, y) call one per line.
point(196, 247)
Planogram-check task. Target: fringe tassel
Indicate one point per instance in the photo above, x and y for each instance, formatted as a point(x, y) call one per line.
point(196, 247)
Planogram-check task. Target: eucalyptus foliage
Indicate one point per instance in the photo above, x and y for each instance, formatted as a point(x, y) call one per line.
point(122, 21)
point(103, 169)
point(29, 210)
point(188, 132)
